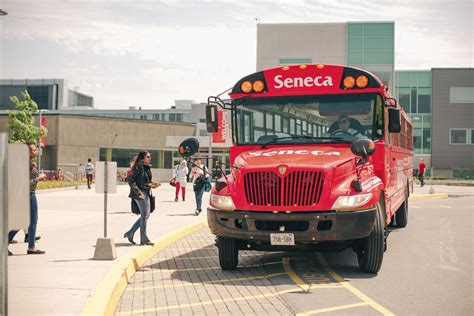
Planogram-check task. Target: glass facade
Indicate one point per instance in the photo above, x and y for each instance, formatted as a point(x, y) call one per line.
point(413, 92)
point(371, 46)
point(161, 159)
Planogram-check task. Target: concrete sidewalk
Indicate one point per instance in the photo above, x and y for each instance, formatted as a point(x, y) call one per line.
point(70, 221)
point(451, 190)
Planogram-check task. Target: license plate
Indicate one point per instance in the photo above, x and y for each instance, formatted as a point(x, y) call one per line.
point(282, 239)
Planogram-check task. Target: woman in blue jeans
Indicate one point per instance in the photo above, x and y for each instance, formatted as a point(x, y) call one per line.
point(198, 172)
point(140, 182)
point(35, 176)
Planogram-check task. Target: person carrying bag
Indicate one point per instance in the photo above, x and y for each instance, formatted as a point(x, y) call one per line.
point(180, 174)
point(140, 182)
point(199, 175)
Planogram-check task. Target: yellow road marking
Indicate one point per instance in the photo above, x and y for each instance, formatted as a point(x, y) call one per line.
point(351, 288)
point(209, 268)
point(428, 196)
point(209, 282)
point(231, 299)
point(332, 309)
point(302, 284)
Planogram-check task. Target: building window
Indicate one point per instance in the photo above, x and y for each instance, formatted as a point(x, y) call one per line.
point(461, 95)
point(292, 61)
point(458, 136)
point(203, 132)
point(39, 94)
point(161, 159)
point(202, 120)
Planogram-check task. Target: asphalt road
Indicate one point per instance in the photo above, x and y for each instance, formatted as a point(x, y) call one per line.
point(427, 269)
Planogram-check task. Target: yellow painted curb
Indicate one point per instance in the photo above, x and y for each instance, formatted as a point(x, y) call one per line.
point(106, 296)
point(428, 196)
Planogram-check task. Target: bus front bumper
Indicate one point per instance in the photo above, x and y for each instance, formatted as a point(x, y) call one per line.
point(307, 227)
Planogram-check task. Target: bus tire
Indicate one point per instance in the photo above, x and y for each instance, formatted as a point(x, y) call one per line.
point(371, 248)
point(402, 213)
point(228, 253)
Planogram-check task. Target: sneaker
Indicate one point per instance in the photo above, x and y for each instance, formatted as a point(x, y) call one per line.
point(176, 200)
point(10, 253)
point(184, 200)
point(196, 212)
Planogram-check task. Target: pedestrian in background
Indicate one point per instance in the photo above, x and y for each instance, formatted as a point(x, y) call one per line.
point(421, 172)
point(199, 178)
point(140, 182)
point(180, 173)
point(89, 169)
point(35, 176)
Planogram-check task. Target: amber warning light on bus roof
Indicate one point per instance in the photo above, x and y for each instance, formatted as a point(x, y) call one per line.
point(248, 87)
point(361, 82)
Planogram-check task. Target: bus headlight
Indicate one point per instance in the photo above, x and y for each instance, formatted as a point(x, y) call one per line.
point(350, 202)
point(222, 202)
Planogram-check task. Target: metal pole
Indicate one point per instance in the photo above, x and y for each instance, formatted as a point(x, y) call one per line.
point(40, 150)
point(431, 181)
point(105, 199)
point(3, 225)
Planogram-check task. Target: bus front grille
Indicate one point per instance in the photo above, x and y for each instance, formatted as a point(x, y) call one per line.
point(297, 188)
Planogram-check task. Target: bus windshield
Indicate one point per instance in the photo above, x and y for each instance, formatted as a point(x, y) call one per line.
point(308, 119)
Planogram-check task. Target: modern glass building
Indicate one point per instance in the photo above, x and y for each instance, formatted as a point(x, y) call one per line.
point(370, 45)
point(413, 90)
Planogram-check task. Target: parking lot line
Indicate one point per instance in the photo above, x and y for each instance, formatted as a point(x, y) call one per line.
point(230, 299)
point(208, 282)
point(332, 309)
point(351, 288)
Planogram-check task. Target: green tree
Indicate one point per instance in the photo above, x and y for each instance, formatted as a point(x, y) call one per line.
point(22, 122)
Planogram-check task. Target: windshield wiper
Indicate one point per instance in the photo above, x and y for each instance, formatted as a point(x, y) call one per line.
point(276, 139)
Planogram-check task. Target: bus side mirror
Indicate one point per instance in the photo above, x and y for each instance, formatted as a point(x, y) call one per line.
point(188, 147)
point(363, 147)
point(211, 119)
point(394, 125)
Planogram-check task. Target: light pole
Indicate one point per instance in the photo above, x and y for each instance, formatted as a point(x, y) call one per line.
point(40, 150)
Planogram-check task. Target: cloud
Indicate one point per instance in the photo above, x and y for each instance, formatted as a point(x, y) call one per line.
point(152, 52)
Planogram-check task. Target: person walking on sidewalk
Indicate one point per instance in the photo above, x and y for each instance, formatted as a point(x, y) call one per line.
point(35, 176)
point(89, 169)
point(140, 182)
point(180, 173)
point(421, 172)
point(199, 178)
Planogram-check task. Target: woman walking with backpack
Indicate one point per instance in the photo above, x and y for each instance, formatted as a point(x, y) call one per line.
point(199, 178)
point(140, 182)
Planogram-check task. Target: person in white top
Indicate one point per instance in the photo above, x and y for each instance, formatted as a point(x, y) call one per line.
point(180, 173)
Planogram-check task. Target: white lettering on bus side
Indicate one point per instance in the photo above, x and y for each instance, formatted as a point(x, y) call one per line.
point(296, 152)
point(298, 82)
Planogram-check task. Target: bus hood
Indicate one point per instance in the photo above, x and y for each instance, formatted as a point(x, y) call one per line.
point(326, 156)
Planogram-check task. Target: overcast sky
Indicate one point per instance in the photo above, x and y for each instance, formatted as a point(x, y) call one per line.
point(151, 52)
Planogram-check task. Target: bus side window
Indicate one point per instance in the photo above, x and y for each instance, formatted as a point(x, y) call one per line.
point(378, 120)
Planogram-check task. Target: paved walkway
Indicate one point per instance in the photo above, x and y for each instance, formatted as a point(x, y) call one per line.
point(70, 221)
point(185, 278)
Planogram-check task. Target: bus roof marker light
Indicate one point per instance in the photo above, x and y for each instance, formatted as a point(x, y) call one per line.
point(320, 66)
point(349, 82)
point(246, 87)
point(285, 68)
point(303, 66)
point(362, 81)
point(258, 86)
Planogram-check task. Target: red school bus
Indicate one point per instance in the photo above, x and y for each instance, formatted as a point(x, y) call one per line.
point(321, 160)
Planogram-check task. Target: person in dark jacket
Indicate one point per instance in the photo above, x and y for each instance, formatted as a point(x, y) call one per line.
point(140, 182)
